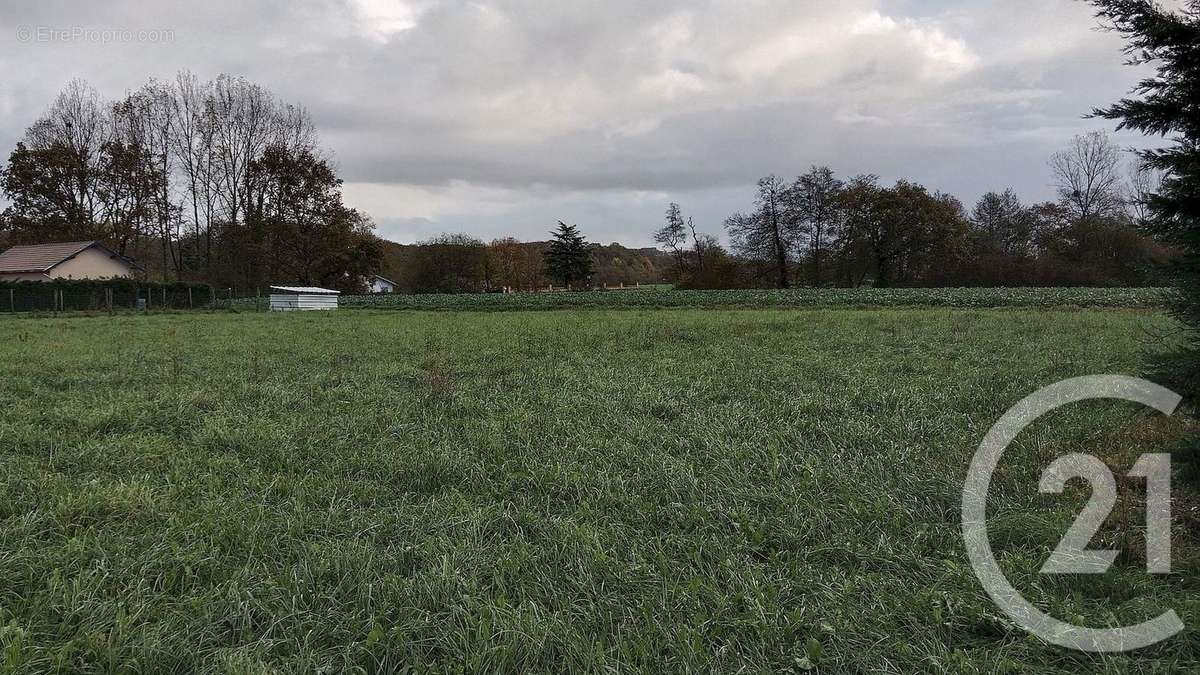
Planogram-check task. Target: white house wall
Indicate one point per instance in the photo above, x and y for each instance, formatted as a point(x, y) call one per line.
point(93, 263)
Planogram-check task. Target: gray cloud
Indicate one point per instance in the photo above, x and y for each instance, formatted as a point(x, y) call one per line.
point(502, 116)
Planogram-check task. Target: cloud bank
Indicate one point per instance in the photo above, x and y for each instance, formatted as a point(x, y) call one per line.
point(503, 116)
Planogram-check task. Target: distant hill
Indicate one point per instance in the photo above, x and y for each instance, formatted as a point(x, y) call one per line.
point(614, 264)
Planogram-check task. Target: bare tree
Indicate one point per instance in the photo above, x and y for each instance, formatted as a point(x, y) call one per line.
point(672, 235)
point(78, 123)
point(1088, 175)
point(130, 193)
point(818, 207)
point(220, 170)
point(243, 127)
point(701, 244)
point(771, 232)
point(146, 119)
point(193, 126)
point(295, 131)
point(1003, 222)
point(1144, 182)
point(78, 173)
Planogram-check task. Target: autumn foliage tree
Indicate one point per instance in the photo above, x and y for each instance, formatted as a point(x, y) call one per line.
point(821, 230)
point(514, 265)
point(76, 176)
point(216, 181)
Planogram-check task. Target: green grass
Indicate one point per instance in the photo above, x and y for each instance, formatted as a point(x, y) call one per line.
point(1144, 298)
point(546, 492)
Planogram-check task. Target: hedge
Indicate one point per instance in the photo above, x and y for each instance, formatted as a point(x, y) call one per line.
point(94, 295)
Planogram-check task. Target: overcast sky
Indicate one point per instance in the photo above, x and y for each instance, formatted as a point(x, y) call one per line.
point(498, 117)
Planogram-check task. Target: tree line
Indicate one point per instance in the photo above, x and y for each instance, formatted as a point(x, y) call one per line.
point(821, 230)
point(460, 263)
point(220, 182)
point(213, 181)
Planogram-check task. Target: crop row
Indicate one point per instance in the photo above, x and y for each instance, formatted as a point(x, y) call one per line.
point(1139, 298)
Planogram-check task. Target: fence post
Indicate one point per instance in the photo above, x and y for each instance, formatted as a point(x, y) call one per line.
point(190, 305)
point(12, 301)
point(258, 298)
point(164, 302)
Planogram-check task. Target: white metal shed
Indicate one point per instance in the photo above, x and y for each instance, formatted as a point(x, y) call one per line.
point(302, 298)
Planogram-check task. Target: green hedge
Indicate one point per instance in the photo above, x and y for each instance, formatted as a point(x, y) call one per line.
point(1138, 298)
point(88, 295)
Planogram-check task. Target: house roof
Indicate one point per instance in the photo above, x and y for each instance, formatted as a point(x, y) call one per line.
point(382, 278)
point(45, 257)
point(305, 290)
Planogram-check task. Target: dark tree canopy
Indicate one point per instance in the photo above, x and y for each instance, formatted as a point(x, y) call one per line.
point(204, 181)
point(1168, 105)
point(450, 263)
point(673, 235)
point(1002, 224)
point(568, 257)
point(769, 233)
point(815, 196)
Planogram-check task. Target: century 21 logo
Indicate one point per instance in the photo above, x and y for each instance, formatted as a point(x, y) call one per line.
point(1071, 556)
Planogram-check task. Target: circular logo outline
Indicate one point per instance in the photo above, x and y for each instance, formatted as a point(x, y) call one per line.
point(974, 515)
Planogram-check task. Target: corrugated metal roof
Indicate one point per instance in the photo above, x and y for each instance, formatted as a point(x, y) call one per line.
point(40, 257)
point(305, 290)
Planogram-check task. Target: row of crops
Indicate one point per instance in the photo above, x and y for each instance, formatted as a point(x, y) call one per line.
point(1137, 298)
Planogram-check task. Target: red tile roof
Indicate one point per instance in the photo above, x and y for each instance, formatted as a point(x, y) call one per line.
point(45, 257)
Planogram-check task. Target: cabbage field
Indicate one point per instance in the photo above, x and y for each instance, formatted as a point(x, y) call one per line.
point(1145, 298)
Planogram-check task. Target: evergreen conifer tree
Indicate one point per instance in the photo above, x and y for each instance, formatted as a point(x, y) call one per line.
point(568, 258)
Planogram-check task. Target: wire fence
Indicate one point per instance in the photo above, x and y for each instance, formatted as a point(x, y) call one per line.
point(242, 299)
point(92, 297)
point(126, 296)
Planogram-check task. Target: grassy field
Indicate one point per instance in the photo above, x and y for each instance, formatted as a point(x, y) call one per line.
point(735, 491)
